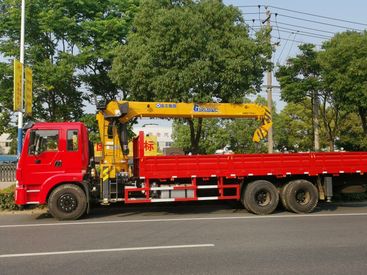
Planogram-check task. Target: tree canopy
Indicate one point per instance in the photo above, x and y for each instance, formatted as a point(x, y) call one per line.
point(190, 51)
point(293, 128)
point(344, 70)
point(304, 77)
point(69, 46)
point(300, 79)
point(218, 133)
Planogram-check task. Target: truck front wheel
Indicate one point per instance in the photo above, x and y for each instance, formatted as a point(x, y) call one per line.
point(301, 196)
point(261, 197)
point(67, 202)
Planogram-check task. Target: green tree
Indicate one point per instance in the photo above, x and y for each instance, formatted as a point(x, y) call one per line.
point(190, 51)
point(213, 135)
point(69, 45)
point(344, 70)
point(300, 79)
point(6, 104)
point(6, 92)
point(99, 27)
point(56, 94)
point(293, 128)
point(90, 121)
point(351, 136)
point(218, 133)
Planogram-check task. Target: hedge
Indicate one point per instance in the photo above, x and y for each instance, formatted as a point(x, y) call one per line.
point(7, 199)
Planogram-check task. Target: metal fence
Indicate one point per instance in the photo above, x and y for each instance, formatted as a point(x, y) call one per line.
point(7, 172)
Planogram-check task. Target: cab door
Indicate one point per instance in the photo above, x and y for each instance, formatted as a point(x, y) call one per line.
point(44, 156)
point(73, 154)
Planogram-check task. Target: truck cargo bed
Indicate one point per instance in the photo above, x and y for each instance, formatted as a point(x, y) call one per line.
point(238, 165)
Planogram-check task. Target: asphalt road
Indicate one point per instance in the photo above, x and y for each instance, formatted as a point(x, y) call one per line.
point(214, 238)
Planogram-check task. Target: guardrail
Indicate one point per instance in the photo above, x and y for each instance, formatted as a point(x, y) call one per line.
point(7, 172)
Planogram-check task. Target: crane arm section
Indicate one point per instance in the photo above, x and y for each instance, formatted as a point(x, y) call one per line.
point(124, 111)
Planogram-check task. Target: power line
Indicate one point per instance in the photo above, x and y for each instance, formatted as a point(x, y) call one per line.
point(301, 33)
point(294, 40)
point(252, 27)
point(306, 13)
point(249, 6)
point(304, 32)
point(311, 34)
point(254, 19)
point(259, 6)
point(321, 23)
point(297, 41)
point(297, 26)
point(320, 16)
point(276, 23)
point(306, 28)
point(285, 45)
point(252, 13)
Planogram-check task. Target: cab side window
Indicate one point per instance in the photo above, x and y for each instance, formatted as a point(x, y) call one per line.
point(72, 140)
point(43, 141)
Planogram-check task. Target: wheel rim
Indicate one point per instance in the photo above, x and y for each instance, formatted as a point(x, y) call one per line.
point(303, 197)
point(67, 203)
point(262, 198)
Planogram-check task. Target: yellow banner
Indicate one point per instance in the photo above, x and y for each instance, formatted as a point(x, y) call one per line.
point(150, 146)
point(28, 91)
point(17, 95)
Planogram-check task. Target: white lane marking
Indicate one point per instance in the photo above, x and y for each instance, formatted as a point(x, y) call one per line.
point(51, 253)
point(255, 217)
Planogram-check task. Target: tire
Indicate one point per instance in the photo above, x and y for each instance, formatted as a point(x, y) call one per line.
point(282, 197)
point(261, 197)
point(301, 196)
point(67, 202)
point(243, 201)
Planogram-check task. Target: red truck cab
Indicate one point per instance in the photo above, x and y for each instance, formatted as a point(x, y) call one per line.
point(53, 154)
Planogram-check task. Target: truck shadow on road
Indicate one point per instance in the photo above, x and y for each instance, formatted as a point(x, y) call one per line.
point(172, 210)
point(339, 205)
point(160, 209)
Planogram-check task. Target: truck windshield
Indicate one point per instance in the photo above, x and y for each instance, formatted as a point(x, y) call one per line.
point(43, 141)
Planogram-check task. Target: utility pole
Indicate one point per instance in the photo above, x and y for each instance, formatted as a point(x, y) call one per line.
point(20, 113)
point(315, 120)
point(269, 84)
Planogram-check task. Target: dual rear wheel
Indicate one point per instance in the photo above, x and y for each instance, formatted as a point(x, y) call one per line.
point(299, 196)
point(262, 197)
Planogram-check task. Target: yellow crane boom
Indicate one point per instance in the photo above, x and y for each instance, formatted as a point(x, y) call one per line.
point(124, 111)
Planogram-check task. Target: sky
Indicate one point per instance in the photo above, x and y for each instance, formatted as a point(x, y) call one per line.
point(294, 27)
